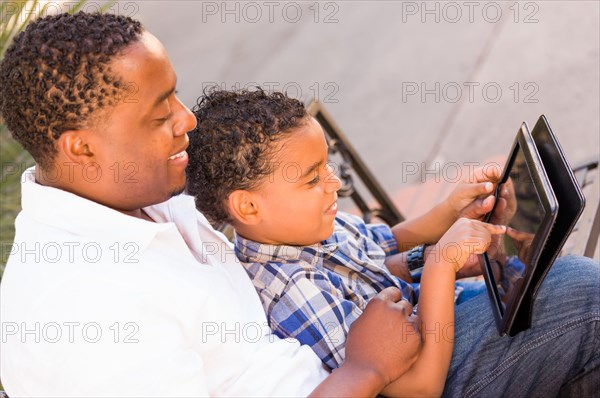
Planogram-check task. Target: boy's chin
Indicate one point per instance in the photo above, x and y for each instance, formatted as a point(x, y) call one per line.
point(327, 234)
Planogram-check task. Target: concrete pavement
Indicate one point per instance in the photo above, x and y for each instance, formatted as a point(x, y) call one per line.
point(413, 84)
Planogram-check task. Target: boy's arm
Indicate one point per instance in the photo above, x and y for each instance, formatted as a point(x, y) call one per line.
point(436, 307)
point(472, 198)
point(427, 228)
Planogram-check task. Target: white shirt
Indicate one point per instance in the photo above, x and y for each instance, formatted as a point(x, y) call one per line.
point(98, 303)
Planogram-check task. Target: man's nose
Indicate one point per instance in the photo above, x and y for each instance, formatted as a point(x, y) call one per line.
point(186, 121)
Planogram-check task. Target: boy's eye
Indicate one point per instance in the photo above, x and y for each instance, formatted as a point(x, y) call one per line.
point(315, 180)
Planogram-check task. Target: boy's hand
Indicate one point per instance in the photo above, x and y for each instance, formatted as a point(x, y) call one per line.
point(385, 340)
point(465, 238)
point(474, 196)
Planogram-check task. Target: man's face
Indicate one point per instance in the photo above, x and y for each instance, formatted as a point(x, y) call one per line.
point(139, 146)
point(298, 202)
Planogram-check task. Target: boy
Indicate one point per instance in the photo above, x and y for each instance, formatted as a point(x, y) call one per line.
point(267, 174)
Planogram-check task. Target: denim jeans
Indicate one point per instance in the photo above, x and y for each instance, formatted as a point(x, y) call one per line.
point(558, 356)
point(470, 290)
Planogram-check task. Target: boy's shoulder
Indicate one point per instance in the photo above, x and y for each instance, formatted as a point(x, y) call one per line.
point(346, 223)
point(275, 278)
point(344, 218)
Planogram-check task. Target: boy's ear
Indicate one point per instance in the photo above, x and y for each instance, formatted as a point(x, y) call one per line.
point(75, 146)
point(243, 207)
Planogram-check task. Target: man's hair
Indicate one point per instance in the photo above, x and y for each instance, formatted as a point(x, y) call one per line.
point(55, 76)
point(232, 145)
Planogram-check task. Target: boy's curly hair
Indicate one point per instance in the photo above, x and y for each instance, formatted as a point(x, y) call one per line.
point(55, 76)
point(231, 147)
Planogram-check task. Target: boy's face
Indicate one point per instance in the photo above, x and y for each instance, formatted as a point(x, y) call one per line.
point(298, 202)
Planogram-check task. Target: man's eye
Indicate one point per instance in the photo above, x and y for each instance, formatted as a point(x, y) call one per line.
point(163, 119)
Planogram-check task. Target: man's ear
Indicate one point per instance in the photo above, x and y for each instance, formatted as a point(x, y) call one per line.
point(75, 145)
point(243, 207)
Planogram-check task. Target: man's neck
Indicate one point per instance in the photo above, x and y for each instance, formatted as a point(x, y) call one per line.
point(40, 178)
point(138, 213)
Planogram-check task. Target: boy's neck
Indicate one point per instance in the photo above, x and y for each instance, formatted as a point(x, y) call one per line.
point(252, 235)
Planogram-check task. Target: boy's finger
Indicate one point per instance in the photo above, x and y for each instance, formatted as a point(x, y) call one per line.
point(479, 207)
point(495, 229)
point(390, 294)
point(490, 172)
point(487, 187)
point(477, 189)
point(518, 235)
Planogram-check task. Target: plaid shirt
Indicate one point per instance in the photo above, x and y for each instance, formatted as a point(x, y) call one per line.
point(314, 293)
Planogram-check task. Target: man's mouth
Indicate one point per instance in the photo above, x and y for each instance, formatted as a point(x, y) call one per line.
point(179, 155)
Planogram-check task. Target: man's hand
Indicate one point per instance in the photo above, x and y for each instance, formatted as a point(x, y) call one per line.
point(385, 340)
point(474, 196)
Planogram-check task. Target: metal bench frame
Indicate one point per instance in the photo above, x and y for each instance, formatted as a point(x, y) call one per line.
point(354, 167)
point(584, 239)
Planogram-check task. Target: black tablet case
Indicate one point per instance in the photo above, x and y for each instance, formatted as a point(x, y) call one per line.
point(570, 202)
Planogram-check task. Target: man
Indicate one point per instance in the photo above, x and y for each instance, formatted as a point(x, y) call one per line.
point(117, 287)
point(115, 290)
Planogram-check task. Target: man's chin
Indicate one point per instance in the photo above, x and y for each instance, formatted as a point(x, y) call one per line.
point(177, 191)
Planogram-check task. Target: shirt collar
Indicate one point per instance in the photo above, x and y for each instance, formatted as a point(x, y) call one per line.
point(249, 251)
point(80, 216)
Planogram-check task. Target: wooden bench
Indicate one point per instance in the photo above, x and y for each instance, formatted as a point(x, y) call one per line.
point(584, 238)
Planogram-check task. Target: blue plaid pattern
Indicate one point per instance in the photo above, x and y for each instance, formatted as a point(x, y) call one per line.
point(314, 293)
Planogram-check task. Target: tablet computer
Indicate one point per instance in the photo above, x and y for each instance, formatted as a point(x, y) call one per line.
point(571, 200)
point(529, 209)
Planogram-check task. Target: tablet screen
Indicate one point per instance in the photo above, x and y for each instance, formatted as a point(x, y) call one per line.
point(523, 212)
point(528, 213)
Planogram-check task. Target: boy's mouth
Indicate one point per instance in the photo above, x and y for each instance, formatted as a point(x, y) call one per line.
point(332, 210)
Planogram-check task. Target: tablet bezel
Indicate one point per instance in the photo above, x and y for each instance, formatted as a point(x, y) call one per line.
point(506, 315)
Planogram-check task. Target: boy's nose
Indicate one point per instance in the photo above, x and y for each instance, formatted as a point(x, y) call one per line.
point(333, 181)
